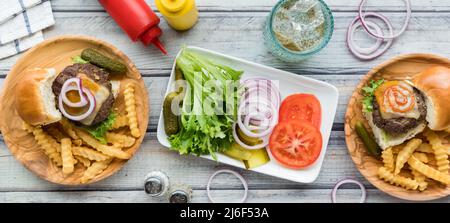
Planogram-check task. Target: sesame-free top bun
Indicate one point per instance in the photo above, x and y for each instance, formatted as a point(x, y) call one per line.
point(35, 101)
point(434, 83)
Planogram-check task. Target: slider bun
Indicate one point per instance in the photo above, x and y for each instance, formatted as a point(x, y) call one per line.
point(35, 101)
point(434, 83)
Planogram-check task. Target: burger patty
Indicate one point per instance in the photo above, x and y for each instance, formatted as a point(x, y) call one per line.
point(399, 125)
point(96, 74)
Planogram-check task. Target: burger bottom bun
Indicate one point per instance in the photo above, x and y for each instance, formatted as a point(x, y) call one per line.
point(385, 140)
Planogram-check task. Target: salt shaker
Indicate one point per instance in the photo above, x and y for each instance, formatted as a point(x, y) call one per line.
point(156, 184)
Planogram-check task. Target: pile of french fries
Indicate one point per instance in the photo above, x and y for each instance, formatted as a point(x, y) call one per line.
point(66, 144)
point(415, 163)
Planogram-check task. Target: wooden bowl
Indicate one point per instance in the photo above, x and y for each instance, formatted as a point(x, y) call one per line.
point(56, 53)
point(398, 68)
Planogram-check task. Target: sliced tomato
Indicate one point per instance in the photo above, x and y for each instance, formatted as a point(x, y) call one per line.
point(301, 107)
point(295, 144)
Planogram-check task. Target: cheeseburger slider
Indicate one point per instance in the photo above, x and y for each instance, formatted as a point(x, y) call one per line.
point(399, 110)
point(82, 93)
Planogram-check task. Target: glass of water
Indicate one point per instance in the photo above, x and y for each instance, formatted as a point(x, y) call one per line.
point(297, 29)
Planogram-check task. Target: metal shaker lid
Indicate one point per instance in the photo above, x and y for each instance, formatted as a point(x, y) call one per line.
point(156, 183)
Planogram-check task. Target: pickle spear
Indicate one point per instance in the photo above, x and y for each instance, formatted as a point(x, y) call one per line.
point(370, 144)
point(171, 125)
point(237, 152)
point(247, 139)
point(259, 157)
point(251, 158)
point(99, 59)
point(180, 83)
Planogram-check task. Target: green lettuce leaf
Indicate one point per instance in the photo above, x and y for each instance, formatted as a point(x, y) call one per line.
point(368, 93)
point(206, 130)
point(99, 131)
point(78, 59)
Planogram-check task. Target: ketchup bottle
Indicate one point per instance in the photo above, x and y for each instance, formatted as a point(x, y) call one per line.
point(137, 19)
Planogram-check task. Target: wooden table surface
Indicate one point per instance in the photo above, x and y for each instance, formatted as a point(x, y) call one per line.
point(231, 27)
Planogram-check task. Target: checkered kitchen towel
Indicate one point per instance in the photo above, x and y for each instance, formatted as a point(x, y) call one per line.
point(11, 8)
point(23, 30)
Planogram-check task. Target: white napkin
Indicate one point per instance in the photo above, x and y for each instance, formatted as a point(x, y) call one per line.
point(20, 45)
point(10, 8)
point(26, 23)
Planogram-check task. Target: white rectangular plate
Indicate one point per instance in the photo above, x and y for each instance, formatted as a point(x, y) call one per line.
point(289, 83)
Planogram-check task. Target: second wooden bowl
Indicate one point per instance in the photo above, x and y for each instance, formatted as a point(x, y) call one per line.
point(398, 68)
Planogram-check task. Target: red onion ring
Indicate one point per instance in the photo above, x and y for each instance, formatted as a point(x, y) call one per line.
point(79, 104)
point(265, 132)
point(236, 174)
point(92, 104)
point(258, 110)
point(392, 36)
point(67, 87)
point(348, 181)
point(262, 124)
point(262, 85)
point(377, 53)
point(365, 50)
point(245, 146)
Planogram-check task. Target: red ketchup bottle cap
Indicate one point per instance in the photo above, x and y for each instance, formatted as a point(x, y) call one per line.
point(151, 36)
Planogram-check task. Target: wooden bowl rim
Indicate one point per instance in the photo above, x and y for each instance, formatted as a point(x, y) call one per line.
point(116, 52)
point(347, 129)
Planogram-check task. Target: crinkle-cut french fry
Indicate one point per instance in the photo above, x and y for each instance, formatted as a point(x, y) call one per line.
point(388, 159)
point(428, 171)
point(68, 128)
point(67, 157)
point(85, 161)
point(441, 156)
point(89, 153)
point(447, 148)
point(420, 178)
point(113, 151)
point(425, 148)
point(407, 183)
point(130, 108)
point(55, 133)
point(422, 157)
point(53, 142)
point(439, 150)
point(48, 144)
point(108, 150)
point(77, 142)
point(396, 149)
point(119, 140)
point(95, 169)
point(120, 121)
point(405, 153)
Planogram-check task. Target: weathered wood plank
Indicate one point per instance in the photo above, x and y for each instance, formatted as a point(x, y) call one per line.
point(265, 5)
point(254, 196)
point(240, 35)
point(188, 169)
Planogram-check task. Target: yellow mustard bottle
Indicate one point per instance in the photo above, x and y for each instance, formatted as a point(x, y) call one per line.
point(180, 14)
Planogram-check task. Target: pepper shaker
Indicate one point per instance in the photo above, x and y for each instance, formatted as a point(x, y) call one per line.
point(180, 193)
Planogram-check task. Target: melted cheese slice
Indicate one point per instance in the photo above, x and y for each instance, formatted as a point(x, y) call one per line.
point(100, 92)
point(387, 110)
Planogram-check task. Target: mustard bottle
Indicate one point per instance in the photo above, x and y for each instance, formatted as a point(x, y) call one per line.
point(179, 14)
